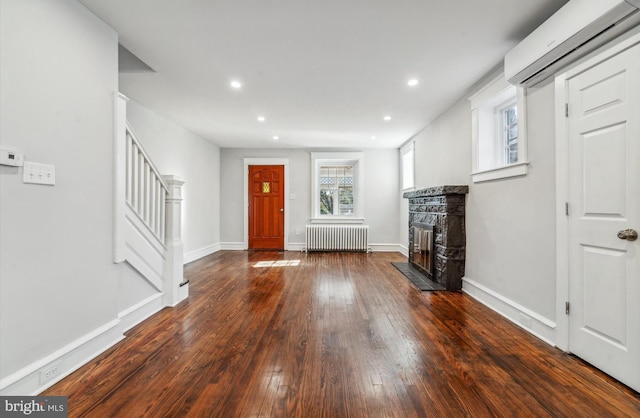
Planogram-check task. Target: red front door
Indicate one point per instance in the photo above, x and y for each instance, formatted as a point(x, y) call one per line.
point(266, 207)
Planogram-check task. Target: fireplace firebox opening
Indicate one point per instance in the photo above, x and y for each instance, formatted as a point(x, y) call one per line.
point(422, 248)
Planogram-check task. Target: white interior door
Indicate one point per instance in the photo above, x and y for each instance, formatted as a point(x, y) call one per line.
point(604, 190)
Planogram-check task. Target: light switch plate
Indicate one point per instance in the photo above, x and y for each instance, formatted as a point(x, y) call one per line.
point(38, 173)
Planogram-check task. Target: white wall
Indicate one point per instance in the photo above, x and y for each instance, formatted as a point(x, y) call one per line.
point(510, 223)
point(403, 225)
point(443, 149)
point(58, 283)
point(175, 150)
point(382, 181)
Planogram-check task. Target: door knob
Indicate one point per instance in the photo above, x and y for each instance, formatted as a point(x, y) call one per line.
point(628, 234)
point(281, 210)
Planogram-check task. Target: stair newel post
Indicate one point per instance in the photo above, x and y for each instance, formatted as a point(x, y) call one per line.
point(175, 290)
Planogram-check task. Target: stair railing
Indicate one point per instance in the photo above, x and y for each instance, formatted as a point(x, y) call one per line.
point(147, 212)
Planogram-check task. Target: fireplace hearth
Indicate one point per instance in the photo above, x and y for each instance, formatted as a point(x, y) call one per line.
point(437, 241)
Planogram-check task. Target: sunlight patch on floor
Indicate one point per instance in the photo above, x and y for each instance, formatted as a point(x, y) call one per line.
point(278, 263)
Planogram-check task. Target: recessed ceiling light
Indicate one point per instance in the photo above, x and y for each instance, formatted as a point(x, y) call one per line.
point(261, 118)
point(412, 82)
point(235, 84)
point(276, 137)
point(373, 137)
point(387, 118)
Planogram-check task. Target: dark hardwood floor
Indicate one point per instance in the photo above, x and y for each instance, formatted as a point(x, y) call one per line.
point(340, 335)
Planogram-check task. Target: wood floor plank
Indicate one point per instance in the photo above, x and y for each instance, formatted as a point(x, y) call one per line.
point(339, 335)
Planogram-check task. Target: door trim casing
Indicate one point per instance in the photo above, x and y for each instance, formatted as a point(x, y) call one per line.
point(622, 43)
point(265, 161)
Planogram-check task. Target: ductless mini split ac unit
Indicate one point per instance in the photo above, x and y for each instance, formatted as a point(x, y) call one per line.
point(578, 28)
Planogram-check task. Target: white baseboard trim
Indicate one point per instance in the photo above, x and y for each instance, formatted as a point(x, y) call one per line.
point(295, 246)
point(530, 321)
point(233, 246)
point(26, 381)
point(404, 250)
point(202, 252)
point(142, 310)
point(386, 248)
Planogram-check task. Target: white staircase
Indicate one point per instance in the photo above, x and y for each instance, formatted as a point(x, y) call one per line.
point(147, 215)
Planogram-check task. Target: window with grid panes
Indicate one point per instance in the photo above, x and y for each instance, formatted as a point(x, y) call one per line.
point(337, 186)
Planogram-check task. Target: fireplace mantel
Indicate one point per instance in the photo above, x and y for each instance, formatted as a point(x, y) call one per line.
point(437, 191)
point(444, 208)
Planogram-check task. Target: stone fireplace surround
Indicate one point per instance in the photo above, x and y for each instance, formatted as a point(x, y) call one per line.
point(444, 208)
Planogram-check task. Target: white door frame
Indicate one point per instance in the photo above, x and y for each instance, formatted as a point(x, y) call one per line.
point(622, 43)
point(265, 161)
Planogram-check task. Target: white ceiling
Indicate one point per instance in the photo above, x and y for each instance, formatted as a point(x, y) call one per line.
point(322, 72)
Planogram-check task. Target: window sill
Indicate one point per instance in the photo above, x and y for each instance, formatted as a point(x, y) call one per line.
point(337, 220)
point(513, 170)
